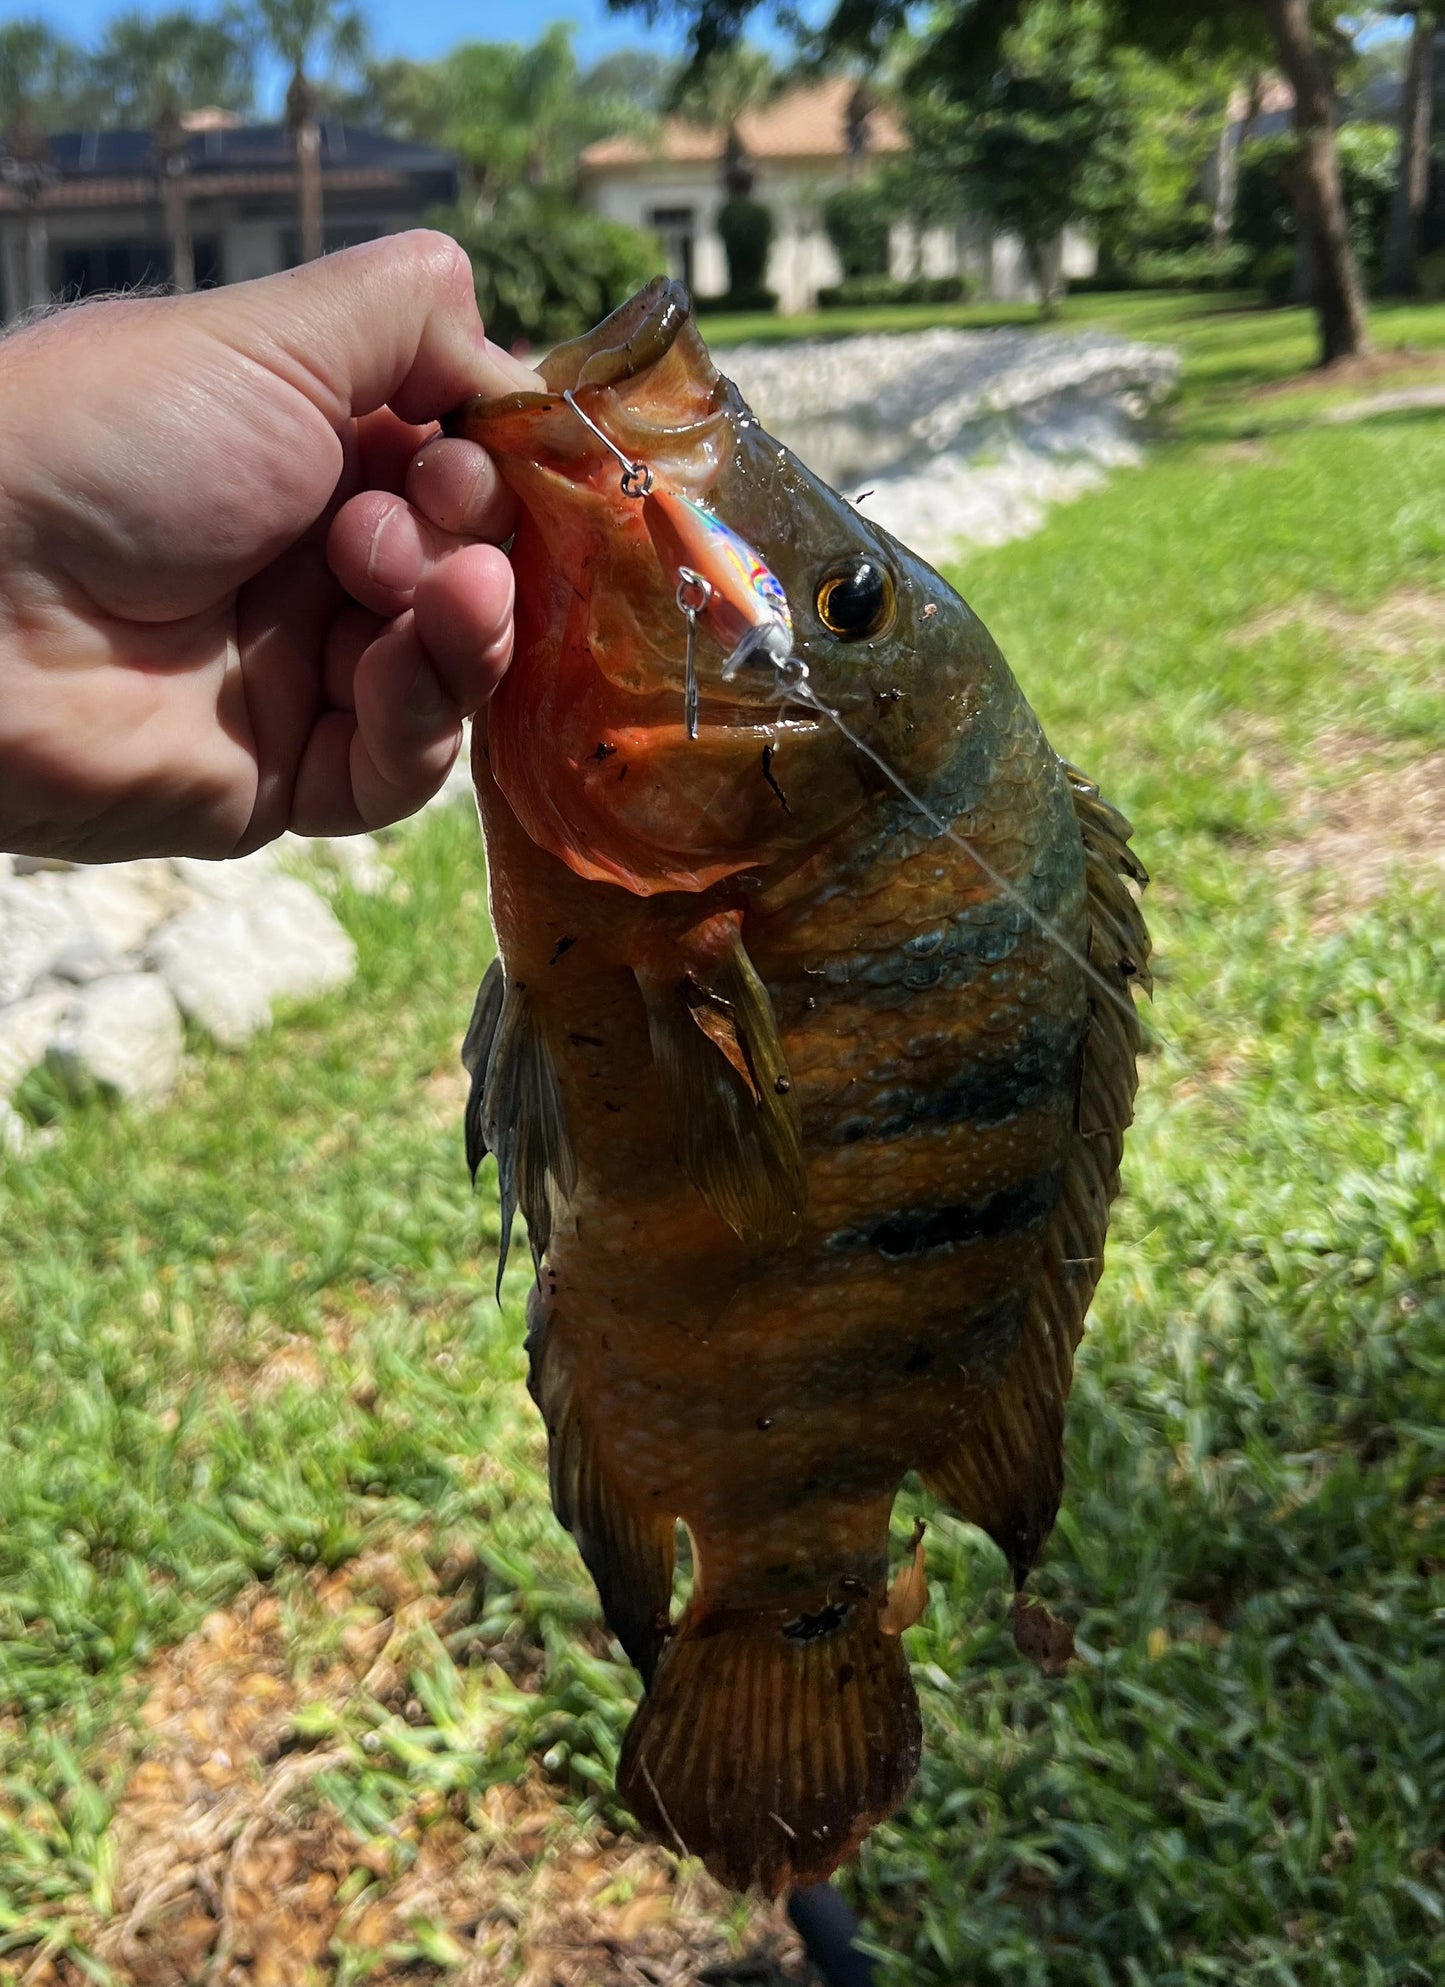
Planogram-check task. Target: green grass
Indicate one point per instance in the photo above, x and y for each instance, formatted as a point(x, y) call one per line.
point(1243, 1780)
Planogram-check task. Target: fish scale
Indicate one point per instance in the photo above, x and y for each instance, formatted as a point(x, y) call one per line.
point(814, 1111)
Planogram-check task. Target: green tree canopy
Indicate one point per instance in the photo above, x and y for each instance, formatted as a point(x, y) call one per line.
point(1309, 41)
point(517, 115)
point(45, 82)
point(148, 65)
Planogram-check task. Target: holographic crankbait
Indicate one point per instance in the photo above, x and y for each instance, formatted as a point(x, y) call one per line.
point(720, 578)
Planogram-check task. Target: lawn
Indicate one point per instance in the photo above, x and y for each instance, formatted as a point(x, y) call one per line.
point(292, 1654)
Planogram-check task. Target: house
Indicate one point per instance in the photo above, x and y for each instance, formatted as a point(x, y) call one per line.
point(800, 146)
point(90, 213)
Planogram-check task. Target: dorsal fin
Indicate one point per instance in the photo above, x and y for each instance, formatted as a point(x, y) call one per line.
point(726, 1086)
point(1007, 1473)
point(514, 1110)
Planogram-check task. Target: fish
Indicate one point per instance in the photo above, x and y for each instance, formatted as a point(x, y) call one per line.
point(807, 1055)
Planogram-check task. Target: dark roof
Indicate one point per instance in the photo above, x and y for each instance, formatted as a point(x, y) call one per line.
point(81, 155)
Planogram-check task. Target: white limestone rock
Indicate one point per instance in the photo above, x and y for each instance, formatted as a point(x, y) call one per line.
point(115, 905)
point(957, 436)
point(225, 962)
point(28, 1030)
point(224, 882)
point(82, 958)
point(15, 1134)
point(36, 919)
point(307, 949)
point(360, 863)
point(123, 1036)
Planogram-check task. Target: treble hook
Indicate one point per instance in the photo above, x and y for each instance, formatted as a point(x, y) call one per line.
point(636, 476)
point(693, 595)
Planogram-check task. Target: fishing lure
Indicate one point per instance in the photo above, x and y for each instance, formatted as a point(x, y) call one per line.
point(720, 578)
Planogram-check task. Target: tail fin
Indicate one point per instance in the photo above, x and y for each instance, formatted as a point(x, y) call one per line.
point(770, 1747)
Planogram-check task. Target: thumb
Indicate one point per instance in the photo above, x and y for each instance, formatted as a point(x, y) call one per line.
point(392, 323)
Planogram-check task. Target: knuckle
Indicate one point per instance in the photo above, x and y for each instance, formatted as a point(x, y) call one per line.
point(441, 258)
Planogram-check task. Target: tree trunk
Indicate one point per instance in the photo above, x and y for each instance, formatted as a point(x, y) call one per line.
point(176, 201)
point(1045, 260)
point(1412, 179)
point(1339, 301)
point(37, 259)
point(308, 165)
point(1226, 169)
point(306, 135)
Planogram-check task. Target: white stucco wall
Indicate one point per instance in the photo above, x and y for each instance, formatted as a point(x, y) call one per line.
point(802, 260)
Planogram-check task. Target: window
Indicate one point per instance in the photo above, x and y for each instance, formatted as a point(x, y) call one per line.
point(676, 228)
point(114, 265)
point(132, 265)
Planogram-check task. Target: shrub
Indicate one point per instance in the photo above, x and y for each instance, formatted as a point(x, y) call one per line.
point(737, 300)
point(856, 291)
point(1432, 276)
point(1264, 214)
point(546, 268)
point(1202, 267)
point(746, 229)
point(1368, 154)
point(858, 219)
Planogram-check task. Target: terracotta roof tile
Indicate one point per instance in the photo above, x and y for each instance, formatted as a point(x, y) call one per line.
point(810, 122)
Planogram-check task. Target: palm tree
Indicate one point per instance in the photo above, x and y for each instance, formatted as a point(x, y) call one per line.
point(298, 31)
point(150, 67)
point(169, 149)
point(26, 164)
point(152, 70)
point(720, 91)
point(44, 79)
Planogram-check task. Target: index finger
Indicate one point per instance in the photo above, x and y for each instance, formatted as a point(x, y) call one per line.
point(391, 323)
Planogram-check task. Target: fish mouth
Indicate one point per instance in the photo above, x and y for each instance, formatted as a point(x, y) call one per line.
point(635, 337)
point(644, 372)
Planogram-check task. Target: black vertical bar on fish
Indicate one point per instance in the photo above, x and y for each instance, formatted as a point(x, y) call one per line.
point(828, 1928)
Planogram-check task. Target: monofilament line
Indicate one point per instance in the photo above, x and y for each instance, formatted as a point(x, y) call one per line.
point(793, 684)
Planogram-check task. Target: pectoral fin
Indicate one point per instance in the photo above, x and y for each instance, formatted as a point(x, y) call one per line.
point(476, 1052)
point(514, 1110)
point(725, 1082)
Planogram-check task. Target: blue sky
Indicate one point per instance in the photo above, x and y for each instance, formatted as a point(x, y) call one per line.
point(400, 27)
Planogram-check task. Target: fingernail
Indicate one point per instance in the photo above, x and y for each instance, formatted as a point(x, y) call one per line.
point(425, 698)
point(514, 373)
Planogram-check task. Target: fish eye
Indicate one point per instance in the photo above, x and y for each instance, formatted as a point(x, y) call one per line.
point(856, 599)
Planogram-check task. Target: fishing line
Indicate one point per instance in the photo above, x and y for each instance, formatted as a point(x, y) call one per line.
point(793, 683)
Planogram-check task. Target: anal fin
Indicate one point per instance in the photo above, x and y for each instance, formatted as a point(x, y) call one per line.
point(726, 1085)
point(628, 1552)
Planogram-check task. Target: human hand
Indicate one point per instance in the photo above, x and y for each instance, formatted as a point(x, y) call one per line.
point(244, 586)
